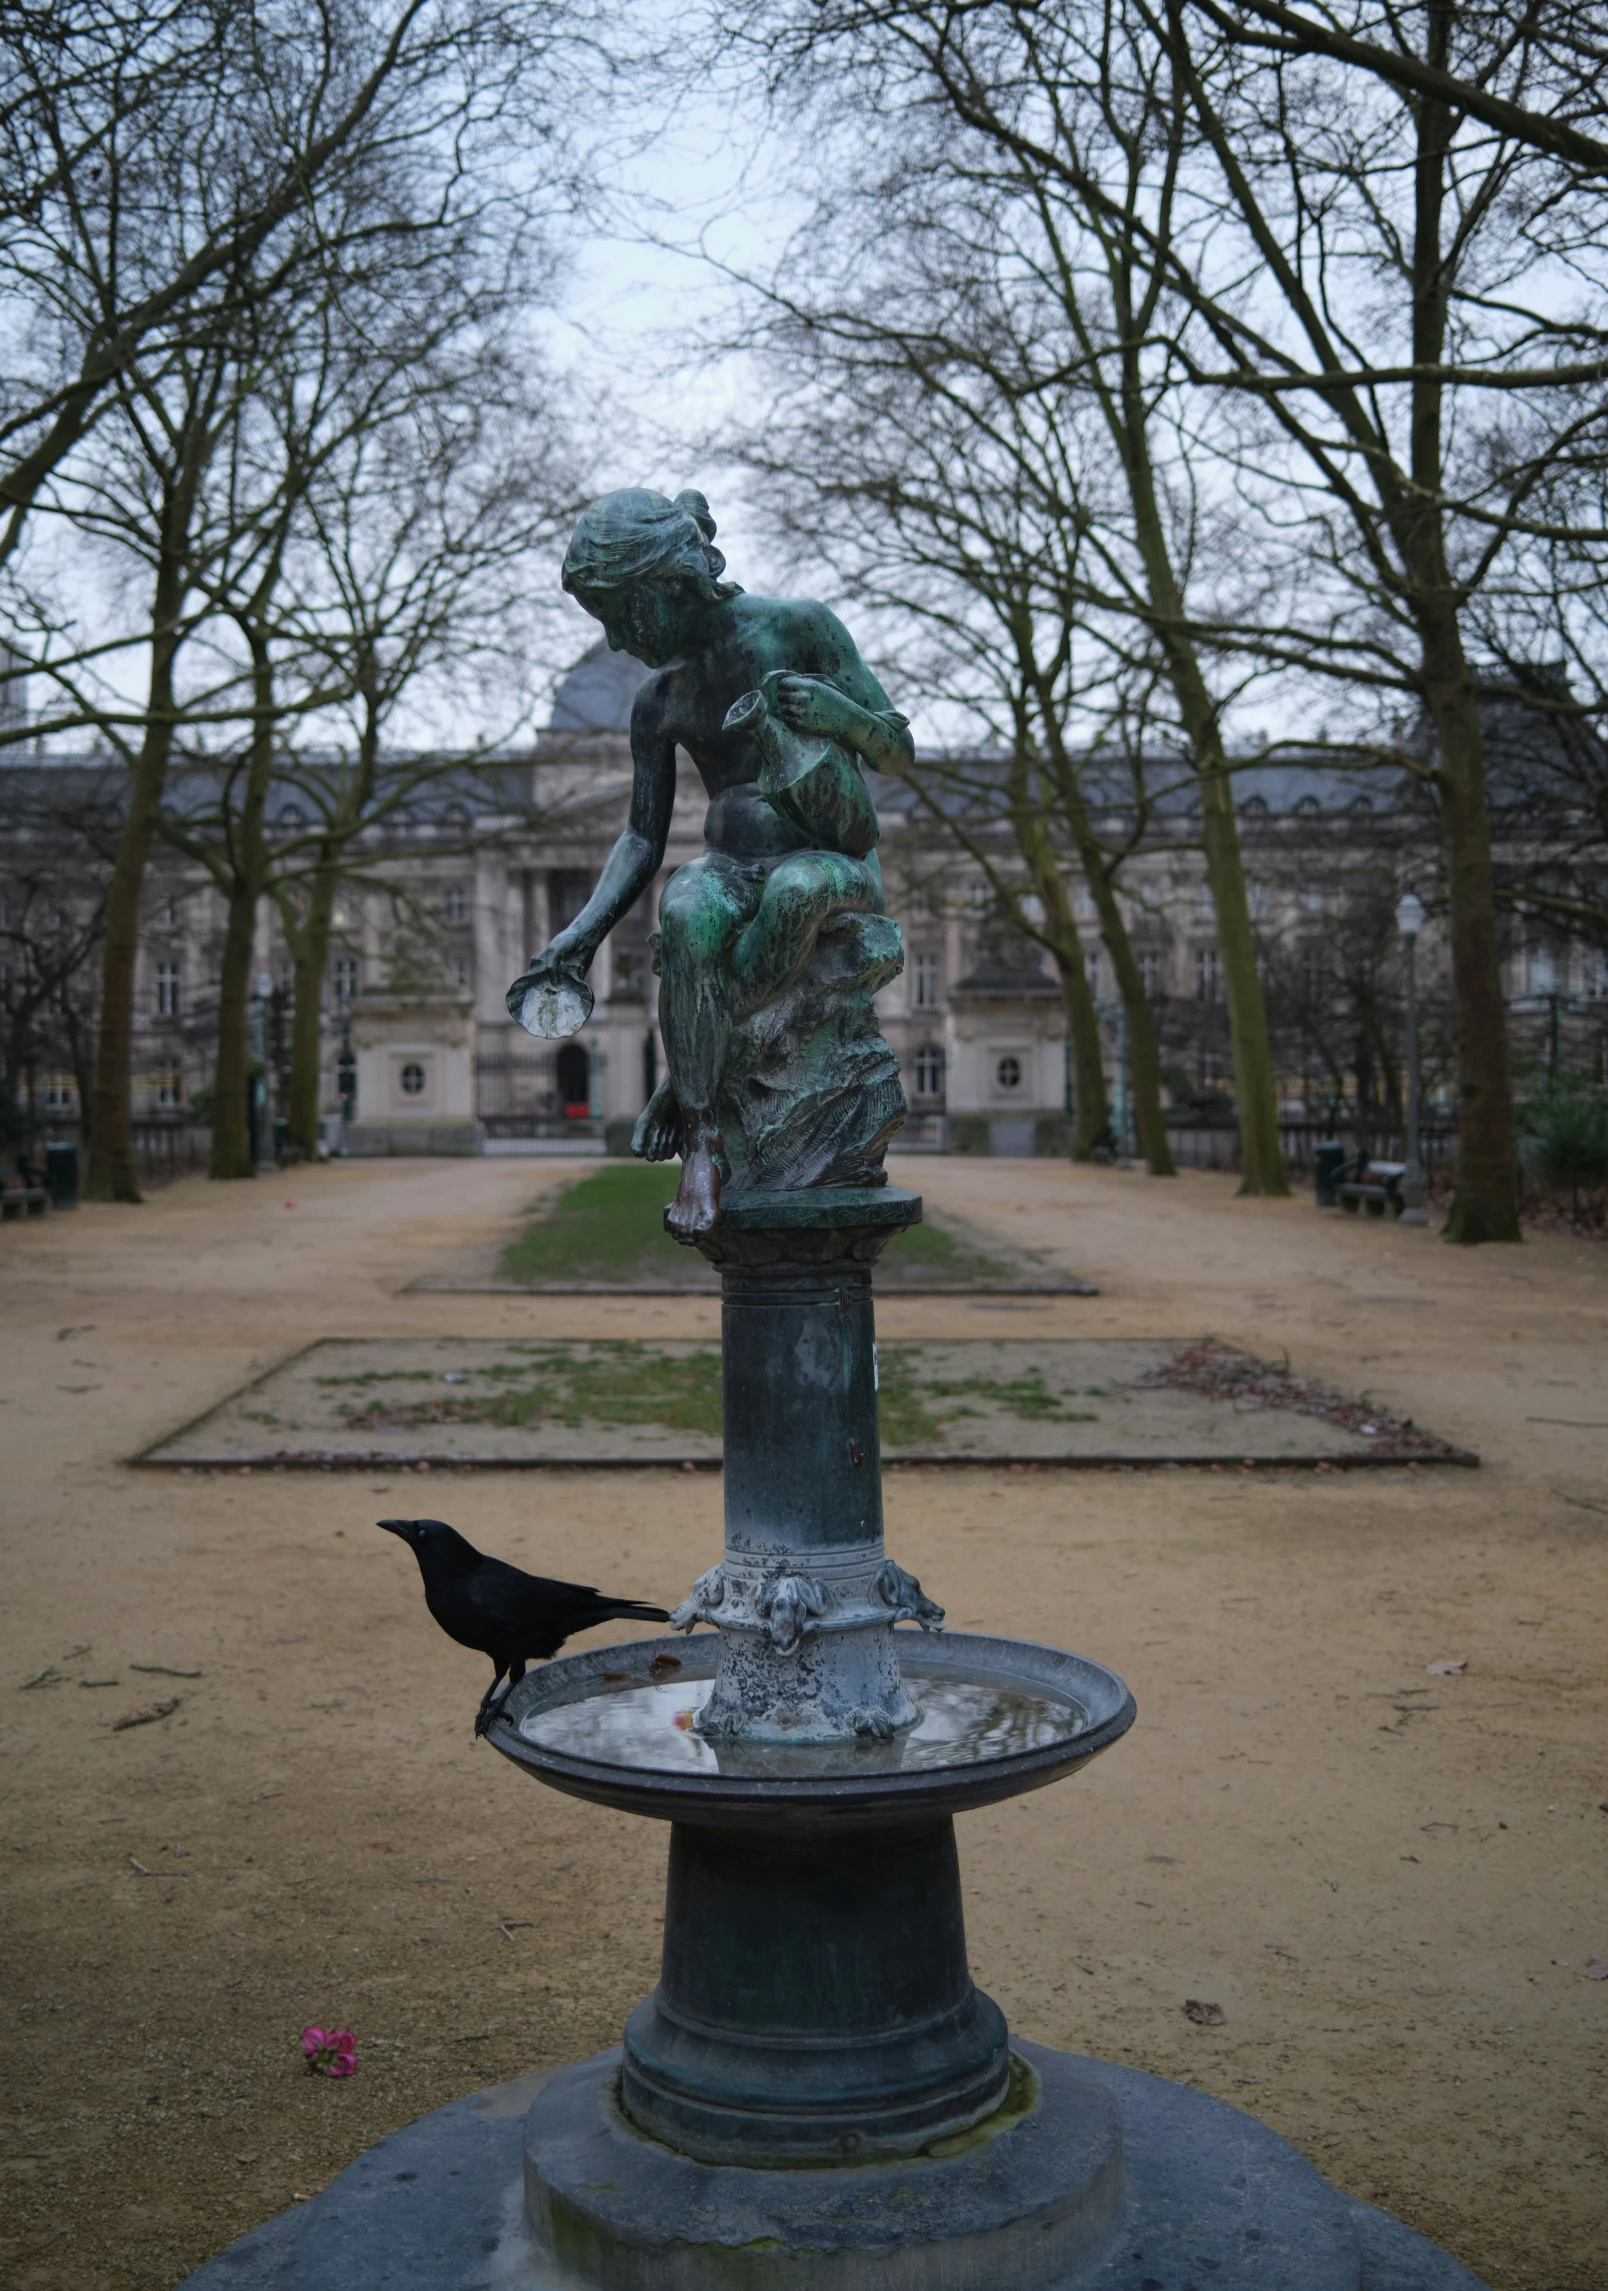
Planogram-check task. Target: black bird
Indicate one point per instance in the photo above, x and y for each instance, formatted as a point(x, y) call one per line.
point(513, 1617)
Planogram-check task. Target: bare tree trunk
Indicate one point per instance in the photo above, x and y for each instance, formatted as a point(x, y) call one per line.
point(1485, 1206)
point(111, 1163)
point(306, 1039)
point(1261, 1152)
point(1091, 1109)
point(1144, 1055)
point(1261, 1148)
point(231, 1110)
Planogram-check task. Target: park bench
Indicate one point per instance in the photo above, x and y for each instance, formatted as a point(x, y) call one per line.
point(18, 1200)
point(1372, 1185)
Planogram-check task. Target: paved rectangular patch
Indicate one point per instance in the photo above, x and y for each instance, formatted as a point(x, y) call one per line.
point(359, 1402)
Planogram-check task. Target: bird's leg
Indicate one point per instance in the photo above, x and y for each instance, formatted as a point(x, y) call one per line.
point(484, 1715)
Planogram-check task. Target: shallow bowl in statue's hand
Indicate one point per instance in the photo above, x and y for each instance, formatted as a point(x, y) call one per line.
point(554, 1008)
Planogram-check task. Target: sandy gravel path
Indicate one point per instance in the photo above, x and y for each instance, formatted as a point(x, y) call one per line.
point(1391, 1882)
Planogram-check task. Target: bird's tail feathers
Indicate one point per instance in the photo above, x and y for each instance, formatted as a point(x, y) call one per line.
point(632, 1610)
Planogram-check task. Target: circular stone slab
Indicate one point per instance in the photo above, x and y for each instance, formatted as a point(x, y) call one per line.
point(1210, 2198)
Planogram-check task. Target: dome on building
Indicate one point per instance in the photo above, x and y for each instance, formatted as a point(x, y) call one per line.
point(596, 694)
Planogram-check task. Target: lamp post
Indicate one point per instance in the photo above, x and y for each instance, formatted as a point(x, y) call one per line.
point(1410, 921)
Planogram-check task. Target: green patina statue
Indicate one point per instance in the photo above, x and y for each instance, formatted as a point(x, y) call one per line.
point(773, 943)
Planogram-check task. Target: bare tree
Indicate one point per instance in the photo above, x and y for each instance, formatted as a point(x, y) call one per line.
point(154, 156)
point(1026, 164)
point(1411, 306)
point(423, 214)
point(57, 837)
point(953, 505)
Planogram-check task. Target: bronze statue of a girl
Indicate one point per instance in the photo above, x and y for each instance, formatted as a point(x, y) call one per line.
point(771, 944)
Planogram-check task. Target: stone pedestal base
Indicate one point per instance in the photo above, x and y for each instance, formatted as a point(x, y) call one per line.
point(1115, 2181)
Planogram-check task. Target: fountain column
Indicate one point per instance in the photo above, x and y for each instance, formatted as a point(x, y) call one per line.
point(815, 2001)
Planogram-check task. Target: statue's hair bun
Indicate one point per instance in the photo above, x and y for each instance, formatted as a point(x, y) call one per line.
point(697, 509)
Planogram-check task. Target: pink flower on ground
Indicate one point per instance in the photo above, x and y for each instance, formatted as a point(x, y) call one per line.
point(329, 2052)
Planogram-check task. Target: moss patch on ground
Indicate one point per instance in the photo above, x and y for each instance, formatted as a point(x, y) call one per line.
point(914, 1410)
point(609, 1381)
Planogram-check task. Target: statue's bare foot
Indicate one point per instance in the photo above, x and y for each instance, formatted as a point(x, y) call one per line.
point(657, 1136)
point(696, 1207)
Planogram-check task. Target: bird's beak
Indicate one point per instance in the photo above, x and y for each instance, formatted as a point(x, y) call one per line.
point(396, 1527)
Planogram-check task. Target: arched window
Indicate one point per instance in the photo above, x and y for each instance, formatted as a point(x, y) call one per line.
point(1008, 1073)
point(573, 1071)
point(413, 1078)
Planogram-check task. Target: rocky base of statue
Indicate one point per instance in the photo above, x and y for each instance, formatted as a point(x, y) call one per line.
point(809, 1092)
point(1106, 2180)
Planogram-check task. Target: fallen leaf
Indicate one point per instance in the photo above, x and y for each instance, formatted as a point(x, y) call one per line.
point(1207, 2015)
point(1447, 1669)
point(1597, 1968)
point(664, 1666)
point(245, 2159)
point(147, 1717)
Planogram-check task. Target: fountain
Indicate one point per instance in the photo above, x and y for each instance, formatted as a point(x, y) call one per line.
point(816, 2097)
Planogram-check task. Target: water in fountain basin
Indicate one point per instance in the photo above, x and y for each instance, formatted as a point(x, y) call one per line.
point(963, 1722)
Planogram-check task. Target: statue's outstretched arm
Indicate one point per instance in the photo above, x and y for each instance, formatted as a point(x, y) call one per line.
point(639, 852)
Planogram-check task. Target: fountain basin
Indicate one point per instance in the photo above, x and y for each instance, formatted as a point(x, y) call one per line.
point(998, 1717)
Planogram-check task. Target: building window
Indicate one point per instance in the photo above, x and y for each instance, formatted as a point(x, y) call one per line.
point(926, 982)
point(1258, 899)
point(1312, 899)
point(1008, 1073)
point(169, 1090)
point(455, 905)
point(460, 970)
point(413, 1078)
point(1206, 974)
point(929, 1072)
point(345, 977)
point(1254, 807)
point(61, 1094)
point(1091, 963)
point(1150, 972)
point(167, 990)
point(1542, 971)
point(1203, 898)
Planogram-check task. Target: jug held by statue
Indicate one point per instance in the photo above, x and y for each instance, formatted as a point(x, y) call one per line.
point(815, 784)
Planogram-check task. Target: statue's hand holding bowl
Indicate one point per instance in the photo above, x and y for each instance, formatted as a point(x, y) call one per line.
point(805, 704)
point(551, 1000)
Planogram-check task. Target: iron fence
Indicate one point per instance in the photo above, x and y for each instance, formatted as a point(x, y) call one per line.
point(1216, 1145)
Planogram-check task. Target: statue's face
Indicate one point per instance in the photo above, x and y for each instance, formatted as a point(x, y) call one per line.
point(645, 620)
